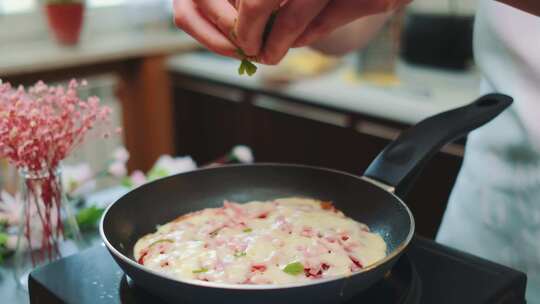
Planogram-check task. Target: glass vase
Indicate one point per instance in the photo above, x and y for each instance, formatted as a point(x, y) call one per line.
point(48, 229)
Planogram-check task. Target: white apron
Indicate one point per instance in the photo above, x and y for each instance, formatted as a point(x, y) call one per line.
point(494, 209)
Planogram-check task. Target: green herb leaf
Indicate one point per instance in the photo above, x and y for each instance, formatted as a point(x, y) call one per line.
point(247, 230)
point(242, 67)
point(295, 268)
point(88, 218)
point(247, 67)
point(201, 270)
point(240, 254)
point(250, 68)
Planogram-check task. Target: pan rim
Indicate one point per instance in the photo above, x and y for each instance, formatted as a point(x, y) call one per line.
point(395, 253)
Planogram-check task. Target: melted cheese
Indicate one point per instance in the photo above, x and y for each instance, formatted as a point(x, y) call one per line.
point(253, 243)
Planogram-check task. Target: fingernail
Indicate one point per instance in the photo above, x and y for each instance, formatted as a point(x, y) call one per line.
point(252, 54)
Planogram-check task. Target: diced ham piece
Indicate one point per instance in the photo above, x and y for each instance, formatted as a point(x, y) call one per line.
point(317, 271)
point(331, 239)
point(263, 215)
point(144, 253)
point(258, 268)
point(356, 262)
point(307, 231)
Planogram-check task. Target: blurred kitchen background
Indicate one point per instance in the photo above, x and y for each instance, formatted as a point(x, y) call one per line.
point(170, 96)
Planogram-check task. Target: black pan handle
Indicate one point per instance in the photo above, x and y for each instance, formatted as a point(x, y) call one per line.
point(402, 160)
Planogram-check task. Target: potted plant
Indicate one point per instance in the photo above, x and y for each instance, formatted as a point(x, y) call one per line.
point(65, 19)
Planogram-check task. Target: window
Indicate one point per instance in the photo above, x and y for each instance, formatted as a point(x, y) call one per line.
point(21, 6)
point(16, 6)
point(95, 3)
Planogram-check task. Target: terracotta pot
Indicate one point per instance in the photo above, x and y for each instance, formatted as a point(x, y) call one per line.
point(65, 21)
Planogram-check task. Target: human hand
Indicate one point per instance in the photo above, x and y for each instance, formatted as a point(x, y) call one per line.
point(224, 26)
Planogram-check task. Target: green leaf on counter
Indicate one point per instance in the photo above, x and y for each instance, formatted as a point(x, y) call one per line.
point(156, 173)
point(201, 270)
point(88, 218)
point(126, 182)
point(3, 224)
point(247, 230)
point(3, 249)
point(295, 268)
point(3, 239)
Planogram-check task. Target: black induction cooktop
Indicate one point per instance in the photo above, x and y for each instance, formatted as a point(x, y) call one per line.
point(428, 273)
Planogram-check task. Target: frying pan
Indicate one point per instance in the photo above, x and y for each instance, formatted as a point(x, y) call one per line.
point(374, 199)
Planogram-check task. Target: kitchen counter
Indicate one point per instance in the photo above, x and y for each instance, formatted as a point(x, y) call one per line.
point(43, 55)
point(422, 92)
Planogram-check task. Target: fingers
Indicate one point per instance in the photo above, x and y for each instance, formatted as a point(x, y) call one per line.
point(189, 19)
point(252, 18)
point(220, 12)
point(291, 21)
point(341, 12)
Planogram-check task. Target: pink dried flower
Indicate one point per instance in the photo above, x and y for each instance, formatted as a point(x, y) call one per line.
point(40, 126)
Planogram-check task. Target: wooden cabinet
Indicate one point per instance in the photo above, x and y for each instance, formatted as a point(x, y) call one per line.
point(210, 118)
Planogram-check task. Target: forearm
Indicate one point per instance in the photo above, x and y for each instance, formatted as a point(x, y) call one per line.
point(529, 6)
point(354, 36)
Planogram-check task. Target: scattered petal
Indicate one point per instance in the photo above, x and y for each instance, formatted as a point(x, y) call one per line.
point(117, 169)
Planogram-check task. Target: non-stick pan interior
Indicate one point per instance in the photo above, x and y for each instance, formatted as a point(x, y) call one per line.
point(141, 210)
